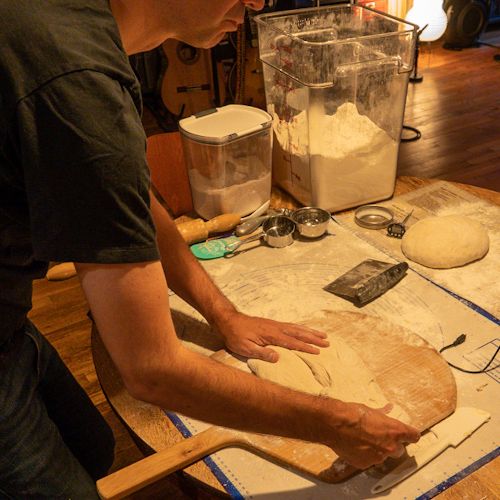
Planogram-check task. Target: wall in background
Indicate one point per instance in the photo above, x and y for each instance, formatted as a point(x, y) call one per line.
point(399, 8)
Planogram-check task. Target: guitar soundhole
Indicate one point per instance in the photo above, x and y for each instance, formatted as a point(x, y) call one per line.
point(187, 54)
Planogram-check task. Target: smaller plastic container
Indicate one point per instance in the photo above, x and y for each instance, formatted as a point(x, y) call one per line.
point(228, 152)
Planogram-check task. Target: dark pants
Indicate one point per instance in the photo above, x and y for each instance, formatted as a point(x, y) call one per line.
point(54, 443)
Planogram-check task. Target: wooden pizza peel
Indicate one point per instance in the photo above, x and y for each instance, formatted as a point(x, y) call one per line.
point(410, 372)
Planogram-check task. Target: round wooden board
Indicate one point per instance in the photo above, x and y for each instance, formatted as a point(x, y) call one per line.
point(410, 372)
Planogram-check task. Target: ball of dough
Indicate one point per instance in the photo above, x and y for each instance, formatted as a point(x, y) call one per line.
point(445, 242)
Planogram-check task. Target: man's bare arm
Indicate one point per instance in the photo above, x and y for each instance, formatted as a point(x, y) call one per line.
point(243, 334)
point(129, 303)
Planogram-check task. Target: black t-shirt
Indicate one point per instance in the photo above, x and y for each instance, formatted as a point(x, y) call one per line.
point(73, 175)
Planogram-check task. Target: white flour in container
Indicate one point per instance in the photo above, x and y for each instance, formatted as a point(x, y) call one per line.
point(352, 161)
point(242, 198)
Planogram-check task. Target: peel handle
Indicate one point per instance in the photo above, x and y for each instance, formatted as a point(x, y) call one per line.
point(136, 476)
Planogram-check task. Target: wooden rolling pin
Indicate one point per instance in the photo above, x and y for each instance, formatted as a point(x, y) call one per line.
point(198, 229)
point(61, 272)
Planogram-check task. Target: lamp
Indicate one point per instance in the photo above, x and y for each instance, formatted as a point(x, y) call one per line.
point(431, 19)
point(430, 13)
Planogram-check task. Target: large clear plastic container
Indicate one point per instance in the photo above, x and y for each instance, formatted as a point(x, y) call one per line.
point(228, 153)
point(336, 79)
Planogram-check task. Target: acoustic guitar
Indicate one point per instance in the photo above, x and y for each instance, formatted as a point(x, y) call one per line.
point(250, 91)
point(253, 85)
point(187, 83)
point(238, 67)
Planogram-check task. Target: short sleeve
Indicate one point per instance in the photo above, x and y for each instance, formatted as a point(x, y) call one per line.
point(87, 181)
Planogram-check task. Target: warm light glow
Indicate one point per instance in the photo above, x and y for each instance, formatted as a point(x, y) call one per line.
point(428, 12)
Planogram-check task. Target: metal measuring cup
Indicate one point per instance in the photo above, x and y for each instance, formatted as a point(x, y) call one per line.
point(277, 232)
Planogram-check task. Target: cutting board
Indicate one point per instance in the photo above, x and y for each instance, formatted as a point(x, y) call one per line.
point(410, 372)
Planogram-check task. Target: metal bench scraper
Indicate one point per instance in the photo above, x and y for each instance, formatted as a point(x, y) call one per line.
point(367, 281)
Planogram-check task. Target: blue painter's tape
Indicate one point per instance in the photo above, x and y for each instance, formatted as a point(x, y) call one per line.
point(466, 302)
point(460, 475)
point(217, 472)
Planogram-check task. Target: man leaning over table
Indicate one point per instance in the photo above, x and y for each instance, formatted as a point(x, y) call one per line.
point(74, 186)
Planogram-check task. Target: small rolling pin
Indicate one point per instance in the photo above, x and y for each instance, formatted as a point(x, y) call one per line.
point(198, 229)
point(61, 272)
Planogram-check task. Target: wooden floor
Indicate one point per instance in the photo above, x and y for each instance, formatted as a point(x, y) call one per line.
point(457, 109)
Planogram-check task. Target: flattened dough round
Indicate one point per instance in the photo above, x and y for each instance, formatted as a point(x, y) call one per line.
point(289, 371)
point(337, 372)
point(446, 241)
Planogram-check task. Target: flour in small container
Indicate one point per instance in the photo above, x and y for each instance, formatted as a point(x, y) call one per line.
point(344, 159)
point(241, 197)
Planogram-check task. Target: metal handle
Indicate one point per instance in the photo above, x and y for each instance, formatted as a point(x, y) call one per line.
point(231, 247)
point(405, 220)
point(250, 225)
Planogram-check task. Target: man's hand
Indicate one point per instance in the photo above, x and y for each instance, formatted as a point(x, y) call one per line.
point(244, 335)
point(249, 336)
point(369, 436)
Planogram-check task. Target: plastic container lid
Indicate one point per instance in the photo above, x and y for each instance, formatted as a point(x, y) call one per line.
point(225, 124)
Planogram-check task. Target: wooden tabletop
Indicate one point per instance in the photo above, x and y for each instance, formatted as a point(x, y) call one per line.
point(153, 431)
